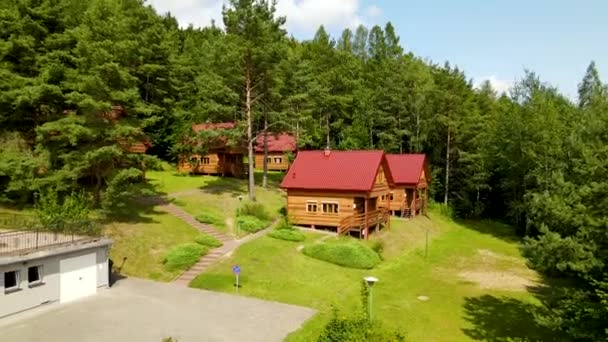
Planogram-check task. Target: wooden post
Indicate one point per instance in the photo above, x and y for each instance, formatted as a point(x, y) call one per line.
point(366, 219)
point(413, 210)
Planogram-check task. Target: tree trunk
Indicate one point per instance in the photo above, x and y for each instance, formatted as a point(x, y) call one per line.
point(248, 100)
point(97, 191)
point(447, 170)
point(265, 174)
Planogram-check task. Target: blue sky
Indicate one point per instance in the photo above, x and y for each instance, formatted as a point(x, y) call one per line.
point(488, 39)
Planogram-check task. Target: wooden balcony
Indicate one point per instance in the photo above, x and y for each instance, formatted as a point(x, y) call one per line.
point(360, 222)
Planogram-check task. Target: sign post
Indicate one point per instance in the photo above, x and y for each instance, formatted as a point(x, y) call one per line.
point(236, 270)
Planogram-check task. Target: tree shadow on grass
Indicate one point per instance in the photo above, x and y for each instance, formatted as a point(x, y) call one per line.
point(499, 230)
point(223, 185)
point(504, 319)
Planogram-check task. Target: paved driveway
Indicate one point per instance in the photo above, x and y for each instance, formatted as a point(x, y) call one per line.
point(139, 310)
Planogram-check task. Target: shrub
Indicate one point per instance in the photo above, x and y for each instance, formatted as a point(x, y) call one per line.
point(250, 224)
point(254, 209)
point(207, 217)
point(357, 328)
point(351, 254)
point(208, 240)
point(283, 224)
point(183, 256)
point(287, 234)
point(378, 247)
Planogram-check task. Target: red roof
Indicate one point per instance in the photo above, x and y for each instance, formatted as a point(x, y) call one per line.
point(406, 168)
point(211, 126)
point(340, 170)
point(281, 142)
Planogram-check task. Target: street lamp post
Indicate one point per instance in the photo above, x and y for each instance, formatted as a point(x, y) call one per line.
point(238, 214)
point(370, 281)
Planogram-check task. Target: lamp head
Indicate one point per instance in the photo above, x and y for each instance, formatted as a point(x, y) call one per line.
point(370, 280)
point(240, 197)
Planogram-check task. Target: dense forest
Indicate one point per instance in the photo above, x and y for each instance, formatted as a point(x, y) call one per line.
point(532, 157)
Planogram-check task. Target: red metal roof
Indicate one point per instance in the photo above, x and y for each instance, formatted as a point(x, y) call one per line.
point(406, 168)
point(280, 142)
point(340, 170)
point(211, 126)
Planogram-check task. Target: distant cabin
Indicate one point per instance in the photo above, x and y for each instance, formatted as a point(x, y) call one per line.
point(280, 145)
point(341, 190)
point(409, 191)
point(221, 158)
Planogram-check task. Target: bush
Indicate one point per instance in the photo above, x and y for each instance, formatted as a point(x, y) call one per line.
point(254, 209)
point(283, 224)
point(378, 247)
point(183, 256)
point(251, 224)
point(352, 254)
point(287, 234)
point(359, 329)
point(209, 218)
point(208, 240)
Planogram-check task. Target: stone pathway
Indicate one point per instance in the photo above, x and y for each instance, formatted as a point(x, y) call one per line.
point(229, 243)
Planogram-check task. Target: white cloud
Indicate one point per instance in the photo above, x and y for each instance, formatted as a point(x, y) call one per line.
point(501, 86)
point(303, 16)
point(373, 11)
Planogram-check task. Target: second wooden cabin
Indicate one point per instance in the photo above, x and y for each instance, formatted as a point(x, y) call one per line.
point(221, 157)
point(409, 190)
point(342, 190)
point(279, 145)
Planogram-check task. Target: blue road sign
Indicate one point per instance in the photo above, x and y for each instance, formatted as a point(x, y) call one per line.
point(236, 269)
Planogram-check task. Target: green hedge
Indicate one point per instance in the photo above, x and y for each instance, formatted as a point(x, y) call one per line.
point(251, 224)
point(183, 256)
point(287, 234)
point(209, 218)
point(352, 254)
point(208, 240)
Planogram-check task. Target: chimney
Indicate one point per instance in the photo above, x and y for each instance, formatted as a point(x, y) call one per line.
point(327, 152)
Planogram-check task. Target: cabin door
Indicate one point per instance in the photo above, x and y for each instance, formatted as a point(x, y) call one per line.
point(359, 205)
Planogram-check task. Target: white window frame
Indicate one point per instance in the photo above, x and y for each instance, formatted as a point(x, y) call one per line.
point(330, 202)
point(17, 286)
point(280, 160)
point(40, 280)
point(316, 203)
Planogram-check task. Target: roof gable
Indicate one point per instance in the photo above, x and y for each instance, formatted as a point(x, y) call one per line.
point(406, 168)
point(340, 170)
point(279, 142)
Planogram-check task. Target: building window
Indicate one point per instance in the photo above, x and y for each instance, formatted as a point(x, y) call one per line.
point(194, 160)
point(11, 281)
point(34, 275)
point(311, 206)
point(330, 207)
point(278, 160)
point(206, 160)
point(268, 160)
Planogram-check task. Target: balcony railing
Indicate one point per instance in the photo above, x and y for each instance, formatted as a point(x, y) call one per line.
point(17, 242)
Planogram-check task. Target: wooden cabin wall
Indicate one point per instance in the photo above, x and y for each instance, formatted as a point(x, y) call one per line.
point(185, 165)
point(399, 196)
point(381, 186)
point(297, 204)
point(272, 166)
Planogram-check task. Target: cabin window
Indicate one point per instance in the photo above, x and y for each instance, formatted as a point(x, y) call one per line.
point(205, 160)
point(330, 207)
point(278, 160)
point(268, 160)
point(311, 206)
point(34, 275)
point(11, 281)
point(194, 160)
point(388, 197)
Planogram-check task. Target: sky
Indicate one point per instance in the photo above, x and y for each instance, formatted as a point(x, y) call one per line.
point(492, 40)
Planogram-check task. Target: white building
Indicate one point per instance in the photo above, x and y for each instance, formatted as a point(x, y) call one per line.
point(39, 268)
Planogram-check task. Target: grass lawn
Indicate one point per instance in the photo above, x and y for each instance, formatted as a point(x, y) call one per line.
point(217, 196)
point(474, 277)
point(145, 240)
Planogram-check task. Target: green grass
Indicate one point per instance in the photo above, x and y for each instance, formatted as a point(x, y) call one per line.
point(287, 235)
point(144, 241)
point(459, 308)
point(216, 198)
point(182, 257)
point(208, 240)
point(343, 252)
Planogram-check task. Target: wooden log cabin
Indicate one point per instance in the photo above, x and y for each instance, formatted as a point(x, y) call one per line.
point(409, 191)
point(279, 146)
point(340, 190)
point(221, 158)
